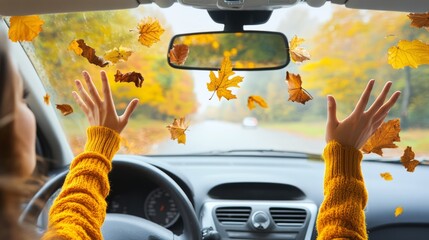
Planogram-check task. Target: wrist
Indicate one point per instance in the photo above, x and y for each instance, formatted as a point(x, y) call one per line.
point(341, 160)
point(102, 140)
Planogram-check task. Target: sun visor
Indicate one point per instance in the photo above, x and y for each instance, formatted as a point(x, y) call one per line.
point(26, 7)
point(390, 5)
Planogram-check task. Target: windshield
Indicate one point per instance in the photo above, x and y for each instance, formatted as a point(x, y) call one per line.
point(347, 47)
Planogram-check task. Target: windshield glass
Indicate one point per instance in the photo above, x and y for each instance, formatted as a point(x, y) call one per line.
point(347, 47)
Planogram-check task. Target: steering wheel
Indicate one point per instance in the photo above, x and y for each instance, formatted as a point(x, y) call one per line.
point(122, 226)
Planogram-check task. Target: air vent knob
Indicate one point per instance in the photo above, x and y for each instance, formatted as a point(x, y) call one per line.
point(260, 220)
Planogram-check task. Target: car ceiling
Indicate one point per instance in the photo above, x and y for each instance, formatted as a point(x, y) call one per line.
point(26, 7)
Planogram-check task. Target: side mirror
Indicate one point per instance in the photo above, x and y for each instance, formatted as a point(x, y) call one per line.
point(248, 50)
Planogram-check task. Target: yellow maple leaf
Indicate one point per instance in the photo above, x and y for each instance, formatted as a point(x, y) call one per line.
point(408, 53)
point(251, 100)
point(386, 176)
point(408, 159)
point(25, 28)
point(150, 31)
point(383, 137)
point(74, 46)
point(221, 83)
point(398, 211)
point(298, 54)
point(118, 54)
point(177, 130)
point(47, 99)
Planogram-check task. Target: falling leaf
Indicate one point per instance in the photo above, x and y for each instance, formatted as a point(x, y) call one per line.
point(65, 109)
point(256, 99)
point(398, 211)
point(220, 84)
point(150, 31)
point(296, 92)
point(387, 176)
point(178, 54)
point(298, 54)
point(177, 130)
point(87, 52)
point(118, 54)
point(383, 137)
point(419, 20)
point(25, 28)
point(47, 99)
point(408, 160)
point(408, 53)
point(134, 77)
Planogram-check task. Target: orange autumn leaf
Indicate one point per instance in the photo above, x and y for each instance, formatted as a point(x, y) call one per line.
point(65, 109)
point(419, 20)
point(134, 77)
point(118, 54)
point(408, 160)
point(251, 100)
point(47, 99)
point(178, 54)
point(383, 137)
point(408, 53)
point(87, 52)
point(220, 84)
point(298, 54)
point(386, 176)
point(398, 211)
point(296, 92)
point(177, 130)
point(25, 28)
point(150, 31)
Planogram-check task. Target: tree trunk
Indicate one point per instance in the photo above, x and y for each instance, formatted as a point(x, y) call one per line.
point(406, 95)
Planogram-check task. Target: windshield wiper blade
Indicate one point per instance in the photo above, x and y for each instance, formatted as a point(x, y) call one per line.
point(264, 152)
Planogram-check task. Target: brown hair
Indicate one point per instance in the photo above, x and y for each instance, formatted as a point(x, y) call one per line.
point(13, 189)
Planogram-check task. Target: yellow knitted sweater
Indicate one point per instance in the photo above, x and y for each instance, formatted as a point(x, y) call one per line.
point(341, 215)
point(80, 209)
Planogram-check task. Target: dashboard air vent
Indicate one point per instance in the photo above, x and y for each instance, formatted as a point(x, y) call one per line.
point(288, 217)
point(233, 215)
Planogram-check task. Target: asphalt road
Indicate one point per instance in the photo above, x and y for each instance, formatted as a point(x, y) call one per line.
point(217, 135)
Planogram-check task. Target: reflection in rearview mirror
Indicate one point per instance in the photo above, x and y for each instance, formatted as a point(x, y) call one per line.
point(249, 50)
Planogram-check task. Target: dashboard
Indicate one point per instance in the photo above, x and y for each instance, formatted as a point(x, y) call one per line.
point(265, 197)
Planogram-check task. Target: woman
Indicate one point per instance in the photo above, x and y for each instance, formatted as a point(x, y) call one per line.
point(80, 208)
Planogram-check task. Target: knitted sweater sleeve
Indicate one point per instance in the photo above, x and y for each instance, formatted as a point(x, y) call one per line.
point(79, 210)
point(341, 215)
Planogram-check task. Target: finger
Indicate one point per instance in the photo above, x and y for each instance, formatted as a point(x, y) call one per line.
point(130, 109)
point(332, 110)
point(91, 88)
point(361, 105)
point(380, 99)
point(80, 102)
point(106, 88)
point(84, 95)
point(388, 105)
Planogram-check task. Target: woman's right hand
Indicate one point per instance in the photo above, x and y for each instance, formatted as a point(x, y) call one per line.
point(101, 112)
point(359, 126)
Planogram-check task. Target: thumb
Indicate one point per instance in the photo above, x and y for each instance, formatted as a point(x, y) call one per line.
point(332, 110)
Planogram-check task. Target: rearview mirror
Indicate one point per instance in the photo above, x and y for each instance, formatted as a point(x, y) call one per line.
point(248, 50)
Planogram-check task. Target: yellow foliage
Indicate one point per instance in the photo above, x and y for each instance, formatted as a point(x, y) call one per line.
point(118, 54)
point(221, 83)
point(177, 130)
point(408, 53)
point(251, 100)
point(398, 211)
point(386, 176)
point(150, 31)
point(25, 28)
